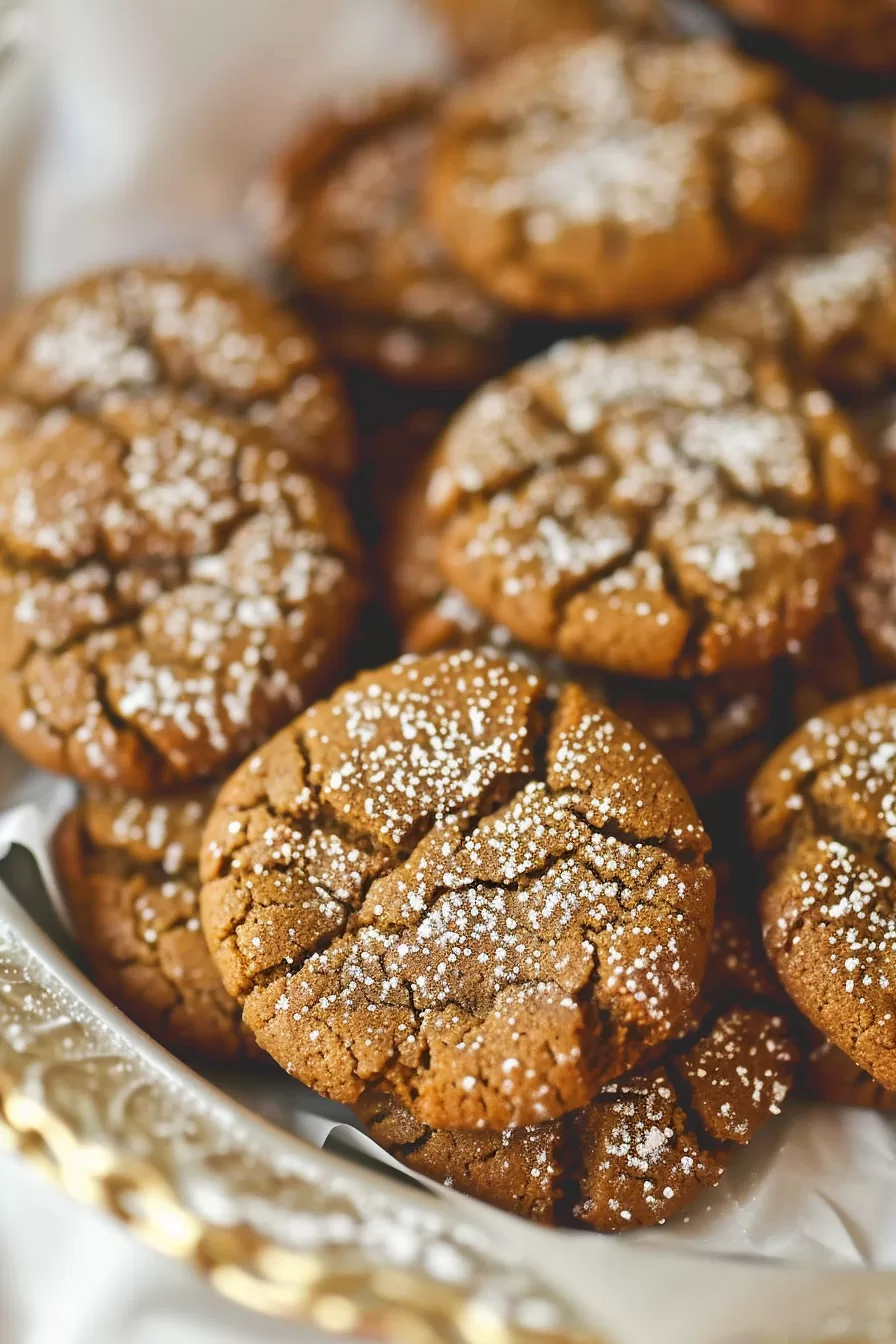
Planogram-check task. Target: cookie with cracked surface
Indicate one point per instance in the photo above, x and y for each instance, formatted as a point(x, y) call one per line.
point(208, 335)
point(649, 1143)
point(827, 1074)
point(173, 586)
point(859, 34)
point(439, 870)
point(341, 213)
point(822, 821)
point(128, 868)
point(603, 179)
point(485, 33)
point(829, 306)
point(666, 505)
point(714, 731)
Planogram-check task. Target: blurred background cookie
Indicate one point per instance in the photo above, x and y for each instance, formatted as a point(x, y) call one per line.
point(602, 179)
point(341, 214)
point(828, 307)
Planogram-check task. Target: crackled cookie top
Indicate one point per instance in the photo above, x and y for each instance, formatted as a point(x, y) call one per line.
point(823, 821)
point(664, 505)
point(341, 210)
point(714, 731)
point(857, 33)
point(602, 178)
point(208, 334)
point(128, 867)
point(441, 883)
point(172, 587)
point(649, 1143)
point(829, 307)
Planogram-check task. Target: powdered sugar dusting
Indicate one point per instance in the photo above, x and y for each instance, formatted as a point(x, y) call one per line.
point(668, 479)
point(499, 899)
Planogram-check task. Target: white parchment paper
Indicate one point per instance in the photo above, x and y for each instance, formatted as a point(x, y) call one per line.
point(158, 115)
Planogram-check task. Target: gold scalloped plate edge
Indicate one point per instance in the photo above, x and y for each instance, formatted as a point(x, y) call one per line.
point(288, 1230)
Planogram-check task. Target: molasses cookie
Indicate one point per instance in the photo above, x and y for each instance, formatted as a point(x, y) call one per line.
point(666, 505)
point(446, 885)
point(860, 34)
point(602, 179)
point(829, 308)
point(128, 870)
point(174, 585)
point(485, 33)
point(821, 817)
point(341, 212)
point(871, 580)
point(649, 1143)
point(827, 1074)
point(714, 731)
point(204, 333)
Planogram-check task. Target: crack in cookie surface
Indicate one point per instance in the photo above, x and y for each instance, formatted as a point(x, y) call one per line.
point(823, 820)
point(524, 910)
point(664, 505)
point(601, 179)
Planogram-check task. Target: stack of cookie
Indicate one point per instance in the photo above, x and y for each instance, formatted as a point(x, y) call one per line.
point(616, 318)
point(480, 913)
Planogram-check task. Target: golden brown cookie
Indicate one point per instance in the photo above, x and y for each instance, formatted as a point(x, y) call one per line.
point(173, 585)
point(714, 731)
point(202, 332)
point(128, 867)
point(649, 1143)
point(483, 33)
point(666, 505)
point(602, 179)
point(341, 212)
point(827, 1074)
point(860, 34)
point(829, 307)
point(822, 821)
point(871, 579)
point(442, 883)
